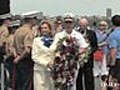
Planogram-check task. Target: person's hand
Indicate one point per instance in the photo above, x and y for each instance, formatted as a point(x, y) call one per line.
point(105, 43)
point(1, 44)
point(112, 63)
point(16, 60)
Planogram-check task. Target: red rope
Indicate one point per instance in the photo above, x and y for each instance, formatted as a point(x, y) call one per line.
point(31, 81)
point(13, 78)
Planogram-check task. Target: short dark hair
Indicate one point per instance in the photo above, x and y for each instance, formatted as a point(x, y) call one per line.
point(116, 20)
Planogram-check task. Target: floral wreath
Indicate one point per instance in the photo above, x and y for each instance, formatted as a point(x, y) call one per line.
point(65, 62)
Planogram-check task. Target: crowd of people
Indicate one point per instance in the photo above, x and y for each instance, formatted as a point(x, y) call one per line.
point(42, 56)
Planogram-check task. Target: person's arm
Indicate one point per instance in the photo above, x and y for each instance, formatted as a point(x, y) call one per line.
point(113, 48)
point(102, 44)
point(24, 54)
point(82, 50)
point(113, 56)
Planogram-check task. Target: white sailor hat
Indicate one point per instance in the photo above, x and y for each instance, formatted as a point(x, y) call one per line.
point(15, 23)
point(31, 14)
point(6, 16)
point(68, 17)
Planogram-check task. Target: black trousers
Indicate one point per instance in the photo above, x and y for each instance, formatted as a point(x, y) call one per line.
point(87, 72)
point(9, 67)
point(115, 71)
point(24, 74)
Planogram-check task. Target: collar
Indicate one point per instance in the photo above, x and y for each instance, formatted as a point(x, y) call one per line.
point(73, 31)
point(27, 26)
point(101, 32)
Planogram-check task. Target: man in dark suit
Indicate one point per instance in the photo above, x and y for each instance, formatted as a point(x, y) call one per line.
point(87, 68)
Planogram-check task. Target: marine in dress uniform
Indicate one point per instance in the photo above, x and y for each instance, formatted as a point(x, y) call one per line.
point(4, 32)
point(23, 40)
point(9, 66)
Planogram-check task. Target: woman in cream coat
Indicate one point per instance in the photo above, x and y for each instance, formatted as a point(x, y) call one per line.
point(43, 58)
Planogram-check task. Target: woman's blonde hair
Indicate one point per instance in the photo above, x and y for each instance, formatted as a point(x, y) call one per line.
point(47, 23)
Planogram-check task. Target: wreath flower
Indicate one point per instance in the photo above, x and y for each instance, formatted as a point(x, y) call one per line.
point(65, 62)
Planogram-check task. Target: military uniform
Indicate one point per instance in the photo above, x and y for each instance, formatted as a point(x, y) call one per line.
point(9, 61)
point(4, 33)
point(23, 38)
point(9, 66)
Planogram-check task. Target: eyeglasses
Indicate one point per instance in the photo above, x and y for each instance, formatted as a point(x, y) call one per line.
point(102, 25)
point(68, 22)
point(44, 27)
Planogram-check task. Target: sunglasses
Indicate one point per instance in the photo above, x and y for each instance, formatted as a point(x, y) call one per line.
point(69, 22)
point(102, 25)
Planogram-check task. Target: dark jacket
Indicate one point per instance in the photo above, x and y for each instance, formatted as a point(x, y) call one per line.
point(91, 36)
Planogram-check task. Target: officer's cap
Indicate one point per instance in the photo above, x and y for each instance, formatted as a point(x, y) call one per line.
point(5, 16)
point(15, 23)
point(30, 15)
point(68, 17)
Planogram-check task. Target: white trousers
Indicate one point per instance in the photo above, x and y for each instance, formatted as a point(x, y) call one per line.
point(43, 80)
point(100, 67)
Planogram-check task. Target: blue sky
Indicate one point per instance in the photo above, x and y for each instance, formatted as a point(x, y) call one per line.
point(59, 7)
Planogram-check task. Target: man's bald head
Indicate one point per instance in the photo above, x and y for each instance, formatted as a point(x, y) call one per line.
point(83, 22)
